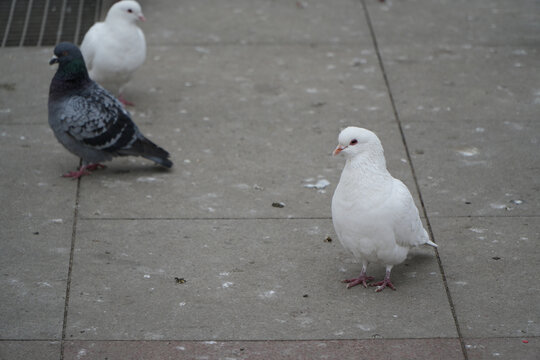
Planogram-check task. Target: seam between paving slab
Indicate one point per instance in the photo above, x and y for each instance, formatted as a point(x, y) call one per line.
point(204, 218)
point(420, 197)
point(258, 43)
point(70, 267)
point(280, 340)
point(180, 218)
point(288, 340)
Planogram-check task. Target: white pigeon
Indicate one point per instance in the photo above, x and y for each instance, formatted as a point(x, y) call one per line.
point(115, 48)
point(374, 214)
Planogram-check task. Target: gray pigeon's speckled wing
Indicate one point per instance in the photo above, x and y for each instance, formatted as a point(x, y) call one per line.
point(97, 120)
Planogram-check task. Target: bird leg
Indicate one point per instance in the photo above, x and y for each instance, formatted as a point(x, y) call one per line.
point(386, 282)
point(83, 170)
point(95, 166)
point(362, 279)
point(124, 101)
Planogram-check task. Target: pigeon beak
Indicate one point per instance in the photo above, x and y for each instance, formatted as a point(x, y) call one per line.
point(142, 18)
point(54, 60)
point(338, 150)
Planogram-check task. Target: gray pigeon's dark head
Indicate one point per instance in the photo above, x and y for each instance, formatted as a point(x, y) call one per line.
point(70, 61)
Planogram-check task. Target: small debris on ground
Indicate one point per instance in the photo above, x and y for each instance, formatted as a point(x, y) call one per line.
point(328, 239)
point(278, 204)
point(319, 185)
point(179, 280)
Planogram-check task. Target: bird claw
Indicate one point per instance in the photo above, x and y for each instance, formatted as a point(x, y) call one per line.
point(76, 174)
point(381, 285)
point(359, 280)
point(84, 170)
point(95, 167)
point(124, 101)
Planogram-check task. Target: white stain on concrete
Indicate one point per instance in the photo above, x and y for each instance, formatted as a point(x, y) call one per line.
point(319, 185)
point(468, 151)
point(267, 294)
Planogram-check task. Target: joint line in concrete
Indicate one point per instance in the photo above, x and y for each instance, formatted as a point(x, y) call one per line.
point(408, 154)
point(70, 267)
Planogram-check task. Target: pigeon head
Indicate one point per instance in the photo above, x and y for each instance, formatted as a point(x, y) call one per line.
point(353, 141)
point(126, 10)
point(70, 62)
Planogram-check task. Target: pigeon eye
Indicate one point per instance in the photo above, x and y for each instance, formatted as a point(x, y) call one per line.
point(130, 11)
point(353, 142)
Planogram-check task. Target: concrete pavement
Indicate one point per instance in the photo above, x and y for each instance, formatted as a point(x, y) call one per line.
point(134, 262)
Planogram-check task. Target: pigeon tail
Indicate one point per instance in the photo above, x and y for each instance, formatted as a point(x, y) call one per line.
point(147, 149)
point(431, 243)
point(160, 161)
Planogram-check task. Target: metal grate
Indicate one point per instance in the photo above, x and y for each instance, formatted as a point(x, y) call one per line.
point(46, 22)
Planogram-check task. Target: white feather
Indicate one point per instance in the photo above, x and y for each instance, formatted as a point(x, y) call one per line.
point(115, 48)
point(374, 214)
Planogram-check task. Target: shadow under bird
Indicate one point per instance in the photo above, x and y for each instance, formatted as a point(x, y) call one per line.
point(89, 121)
point(374, 214)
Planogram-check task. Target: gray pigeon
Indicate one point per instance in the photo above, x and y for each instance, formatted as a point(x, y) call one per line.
point(89, 121)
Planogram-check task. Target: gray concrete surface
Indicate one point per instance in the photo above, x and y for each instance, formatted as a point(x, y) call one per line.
point(249, 96)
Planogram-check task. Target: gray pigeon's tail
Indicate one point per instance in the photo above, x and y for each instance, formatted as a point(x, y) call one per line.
point(147, 149)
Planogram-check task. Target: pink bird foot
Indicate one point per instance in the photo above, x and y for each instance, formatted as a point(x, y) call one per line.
point(362, 279)
point(124, 101)
point(381, 285)
point(84, 170)
point(93, 167)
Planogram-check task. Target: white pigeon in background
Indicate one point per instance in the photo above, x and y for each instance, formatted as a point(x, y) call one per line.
point(115, 48)
point(374, 214)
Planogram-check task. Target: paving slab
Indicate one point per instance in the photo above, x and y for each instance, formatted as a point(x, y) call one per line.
point(490, 23)
point(34, 258)
point(245, 132)
point(206, 186)
point(526, 348)
point(453, 177)
point(244, 280)
point(466, 84)
point(259, 21)
point(23, 99)
point(37, 222)
point(32, 163)
point(25, 350)
point(297, 350)
point(235, 82)
point(488, 264)
point(481, 109)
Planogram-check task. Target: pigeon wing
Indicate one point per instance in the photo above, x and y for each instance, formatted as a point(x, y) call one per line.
point(408, 228)
point(97, 120)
